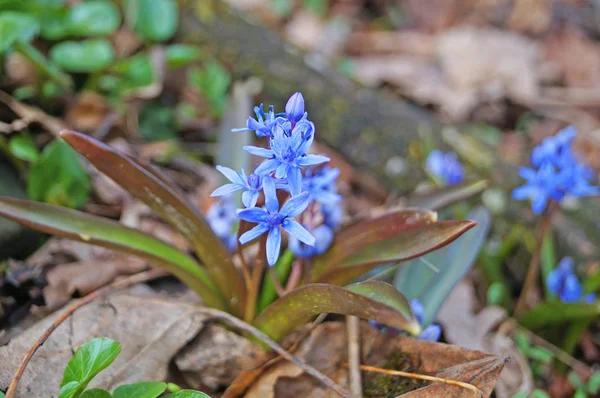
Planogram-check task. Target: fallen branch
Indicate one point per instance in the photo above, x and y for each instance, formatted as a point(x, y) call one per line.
point(121, 284)
point(476, 391)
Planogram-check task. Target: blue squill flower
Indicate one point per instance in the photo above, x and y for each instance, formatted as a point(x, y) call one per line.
point(446, 167)
point(271, 219)
point(287, 154)
point(564, 284)
point(556, 173)
point(332, 214)
point(294, 109)
point(431, 332)
point(222, 219)
point(320, 185)
point(323, 238)
point(263, 123)
point(251, 185)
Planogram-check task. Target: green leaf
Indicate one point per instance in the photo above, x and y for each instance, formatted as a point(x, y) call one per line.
point(405, 242)
point(282, 269)
point(134, 73)
point(593, 384)
point(556, 312)
point(16, 27)
point(151, 187)
point(89, 360)
point(154, 20)
point(374, 300)
point(140, 390)
point(539, 394)
point(23, 147)
point(188, 394)
point(156, 122)
point(462, 254)
point(85, 56)
point(442, 197)
point(540, 354)
point(43, 65)
point(96, 393)
point(58, 177)
point(103, 232)
point(212, 81)
point(95, 18)
point(180, 55)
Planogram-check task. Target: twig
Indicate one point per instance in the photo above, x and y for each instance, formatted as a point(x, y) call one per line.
point(278, 287)
point(257, 272)
point(353, 333)
point(390, 372)
point(123, 283)
point(239, 324)
point(534, 265)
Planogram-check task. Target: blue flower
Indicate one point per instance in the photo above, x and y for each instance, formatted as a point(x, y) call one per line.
point(323, 238)
point(431, 332)
point(556, 173)
point(263, 123)
point(320, 185)
point(222, 218)
point(564, 284)
point(294, 109)
point(251, 185)
point(446, 167)
point(287, 154)
point(332, 214)
point(272, 218)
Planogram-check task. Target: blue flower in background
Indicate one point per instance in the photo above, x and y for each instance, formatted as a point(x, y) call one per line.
point(221, 217)
point(323, 239)
point(320, 185)
point(431, 332)
point(556, 173)
point(272, 218)
point(564, 284)
point(446, 167)
point(251, 185)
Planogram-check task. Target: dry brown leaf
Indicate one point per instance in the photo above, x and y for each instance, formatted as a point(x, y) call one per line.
point(305, 29)
point(151, 331)
point(326, 350)
point(435, 15)
point(463, 327)
point(87, 112)
point(530, 16)
point(404, 42)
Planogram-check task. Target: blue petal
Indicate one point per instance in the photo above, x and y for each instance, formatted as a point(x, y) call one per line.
point(417, 308)
point(258, 151)
point(225, 190)
point(589, 298)
point(294, 108)
point(249, 198)
point(273, 245)
point(294, 180)
point(431, 333)
point(267, 167)
point(572, 289)
point(539, 202)
point(295, 205)
point(271, 202)
point(309, 160)
point(523, 192)
point(254, 233)
point(299, 232)
point(253, 214)
point(231, 175)
point(554, 281)
point(281, 170)
point(323, 238)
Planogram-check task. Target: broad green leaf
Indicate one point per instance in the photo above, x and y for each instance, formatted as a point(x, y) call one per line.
point(16, 27)
point(212, 81)
point(23, 147)
point(43, 65)
point(140, 390)
point(103, 232)
point(180, 55)
point(556, 312)
point(403, 245)
point(363, 234)
point(188, 394)
point(93, 18)
point(96, 393)
point(89, 360)
point(58, 177)
point(154, 20)
point(85, 56)
point(282, 270)
point(134, 72)
point(462, 254)
point(593, 383)
point(149, 187)
point(156, 122)
point(446, 196)
point(374, 300)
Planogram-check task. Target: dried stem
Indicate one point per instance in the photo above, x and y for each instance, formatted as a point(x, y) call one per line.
point(245, 268)
point(534, 266)
point(257, 273)
point(476, 391)
point(295, 275)
point(353, 334)
point(278, 287)
point(239, 324)
point(120, 284)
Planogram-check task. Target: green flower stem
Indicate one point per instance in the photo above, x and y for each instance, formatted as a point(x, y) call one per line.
point(44, 65)
point(282, 269)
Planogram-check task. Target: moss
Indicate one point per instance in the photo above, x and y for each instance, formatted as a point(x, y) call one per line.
point(381, 385)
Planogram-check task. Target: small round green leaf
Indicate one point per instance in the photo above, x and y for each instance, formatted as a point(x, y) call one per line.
point(23, 147)
point(188, 394)
point(140, 390)
point(154, 20)
point(180, 55)
point(96, 393)
point(97, 18)
point(83, 56)
point(16, 26)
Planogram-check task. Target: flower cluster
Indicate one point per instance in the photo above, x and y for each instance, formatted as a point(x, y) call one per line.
point(556, 173)
point(288, 170)
point(564, 284)
point(445, 167)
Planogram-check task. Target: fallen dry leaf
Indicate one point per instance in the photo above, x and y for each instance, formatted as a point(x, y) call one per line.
point(476, 331)
point(530, 16)
point(87, 112)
